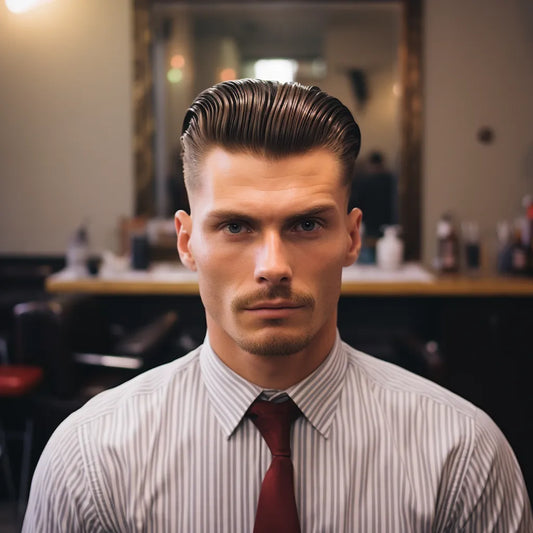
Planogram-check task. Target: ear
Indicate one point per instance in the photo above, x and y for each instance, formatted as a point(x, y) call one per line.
point(353, 226)
point(183, 222)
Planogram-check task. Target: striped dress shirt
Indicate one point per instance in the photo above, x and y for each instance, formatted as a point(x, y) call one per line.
point(377, 449)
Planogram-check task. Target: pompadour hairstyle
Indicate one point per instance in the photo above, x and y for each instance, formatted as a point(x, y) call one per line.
point(268, 119)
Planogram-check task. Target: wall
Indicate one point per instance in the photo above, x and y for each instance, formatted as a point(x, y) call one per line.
point(66, 124)
point(478, 72)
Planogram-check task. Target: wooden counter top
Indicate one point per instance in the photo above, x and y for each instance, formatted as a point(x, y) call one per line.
point(458, 286)
point(363, 281)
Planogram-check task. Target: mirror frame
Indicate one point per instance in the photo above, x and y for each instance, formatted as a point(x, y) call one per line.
point(409, 182)
point(411, 128)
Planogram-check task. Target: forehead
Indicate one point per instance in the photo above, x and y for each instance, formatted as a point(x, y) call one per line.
point(241, 177)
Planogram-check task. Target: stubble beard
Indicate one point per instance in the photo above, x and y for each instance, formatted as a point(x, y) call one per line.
point(275, 343)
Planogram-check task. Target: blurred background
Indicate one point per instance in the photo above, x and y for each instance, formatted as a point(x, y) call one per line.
point(75, 77)
point(92, 96)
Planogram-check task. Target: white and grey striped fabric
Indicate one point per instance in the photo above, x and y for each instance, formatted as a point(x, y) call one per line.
point(377, 450)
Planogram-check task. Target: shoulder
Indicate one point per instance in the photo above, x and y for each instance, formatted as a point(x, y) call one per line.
point(150, 389)
point(117, 423)
point(427, 423)
point(389, 383)
point(481, 481)
point(492, 490)
point(119, 417)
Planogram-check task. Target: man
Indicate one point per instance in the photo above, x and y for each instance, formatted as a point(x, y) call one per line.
point(181, 448)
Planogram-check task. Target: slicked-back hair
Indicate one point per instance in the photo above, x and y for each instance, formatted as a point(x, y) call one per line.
point(268, 119)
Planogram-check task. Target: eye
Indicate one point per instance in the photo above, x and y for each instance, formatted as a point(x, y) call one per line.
point(307, 225)
point(234, 228)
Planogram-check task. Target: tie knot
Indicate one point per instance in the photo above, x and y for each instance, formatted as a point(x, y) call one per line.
point(274, 421)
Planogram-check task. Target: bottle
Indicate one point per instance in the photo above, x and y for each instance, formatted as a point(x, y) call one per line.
point(472, 247)
point(527, 204)
point(519, 251)
point(504, 260)
point(447, 259)
point(140, 251)
point(527, 238)
point(78, 252)
point(389, 249)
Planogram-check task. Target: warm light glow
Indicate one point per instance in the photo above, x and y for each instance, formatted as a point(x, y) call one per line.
point(396, 89)
point(174, 75)
point(20, 6)
point(177, 61)
point(227, 74)
point(276, 69)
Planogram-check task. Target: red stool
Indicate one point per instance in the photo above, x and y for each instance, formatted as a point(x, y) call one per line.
point(17, 382)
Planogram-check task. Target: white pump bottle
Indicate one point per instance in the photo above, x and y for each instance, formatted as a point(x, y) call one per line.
point(389, 249)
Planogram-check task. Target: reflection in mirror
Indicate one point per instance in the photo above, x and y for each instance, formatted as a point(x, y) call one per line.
point(349, 49)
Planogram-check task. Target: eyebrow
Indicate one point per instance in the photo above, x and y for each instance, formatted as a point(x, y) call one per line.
point(222, 215)
point(321, 210)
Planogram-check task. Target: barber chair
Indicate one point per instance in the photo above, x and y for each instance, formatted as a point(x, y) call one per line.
point(20, 280)
point(73, 343)
point(17, 385)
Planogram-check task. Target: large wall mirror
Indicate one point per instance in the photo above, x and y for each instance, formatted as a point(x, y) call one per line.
point(366, 53)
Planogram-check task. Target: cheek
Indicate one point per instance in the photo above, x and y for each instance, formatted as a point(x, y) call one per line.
point(209, 249)
point(217, 265)
point(327, 257)
point(216, 259)
point(218, 273)
point(325, 269)
point(213, 289)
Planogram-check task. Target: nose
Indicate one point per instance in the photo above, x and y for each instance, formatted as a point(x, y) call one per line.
point(272, 265)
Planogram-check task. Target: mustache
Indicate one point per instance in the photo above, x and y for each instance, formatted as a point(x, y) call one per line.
point(273, 293)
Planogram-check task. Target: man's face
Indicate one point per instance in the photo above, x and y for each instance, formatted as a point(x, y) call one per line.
point(269, 240)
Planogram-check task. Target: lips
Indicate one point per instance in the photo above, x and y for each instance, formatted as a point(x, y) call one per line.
point(273, 305)
point(273, 310)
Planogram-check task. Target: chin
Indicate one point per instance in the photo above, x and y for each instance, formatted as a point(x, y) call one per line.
point(275, 344)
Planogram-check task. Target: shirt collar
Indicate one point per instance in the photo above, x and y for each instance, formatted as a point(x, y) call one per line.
point(317, 395)
point(231, 395)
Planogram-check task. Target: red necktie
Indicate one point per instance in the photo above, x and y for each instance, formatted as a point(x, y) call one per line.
point(276, 509)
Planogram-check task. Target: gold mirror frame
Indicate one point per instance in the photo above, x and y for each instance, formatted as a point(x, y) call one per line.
point(409, 190)
point(410, 181)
